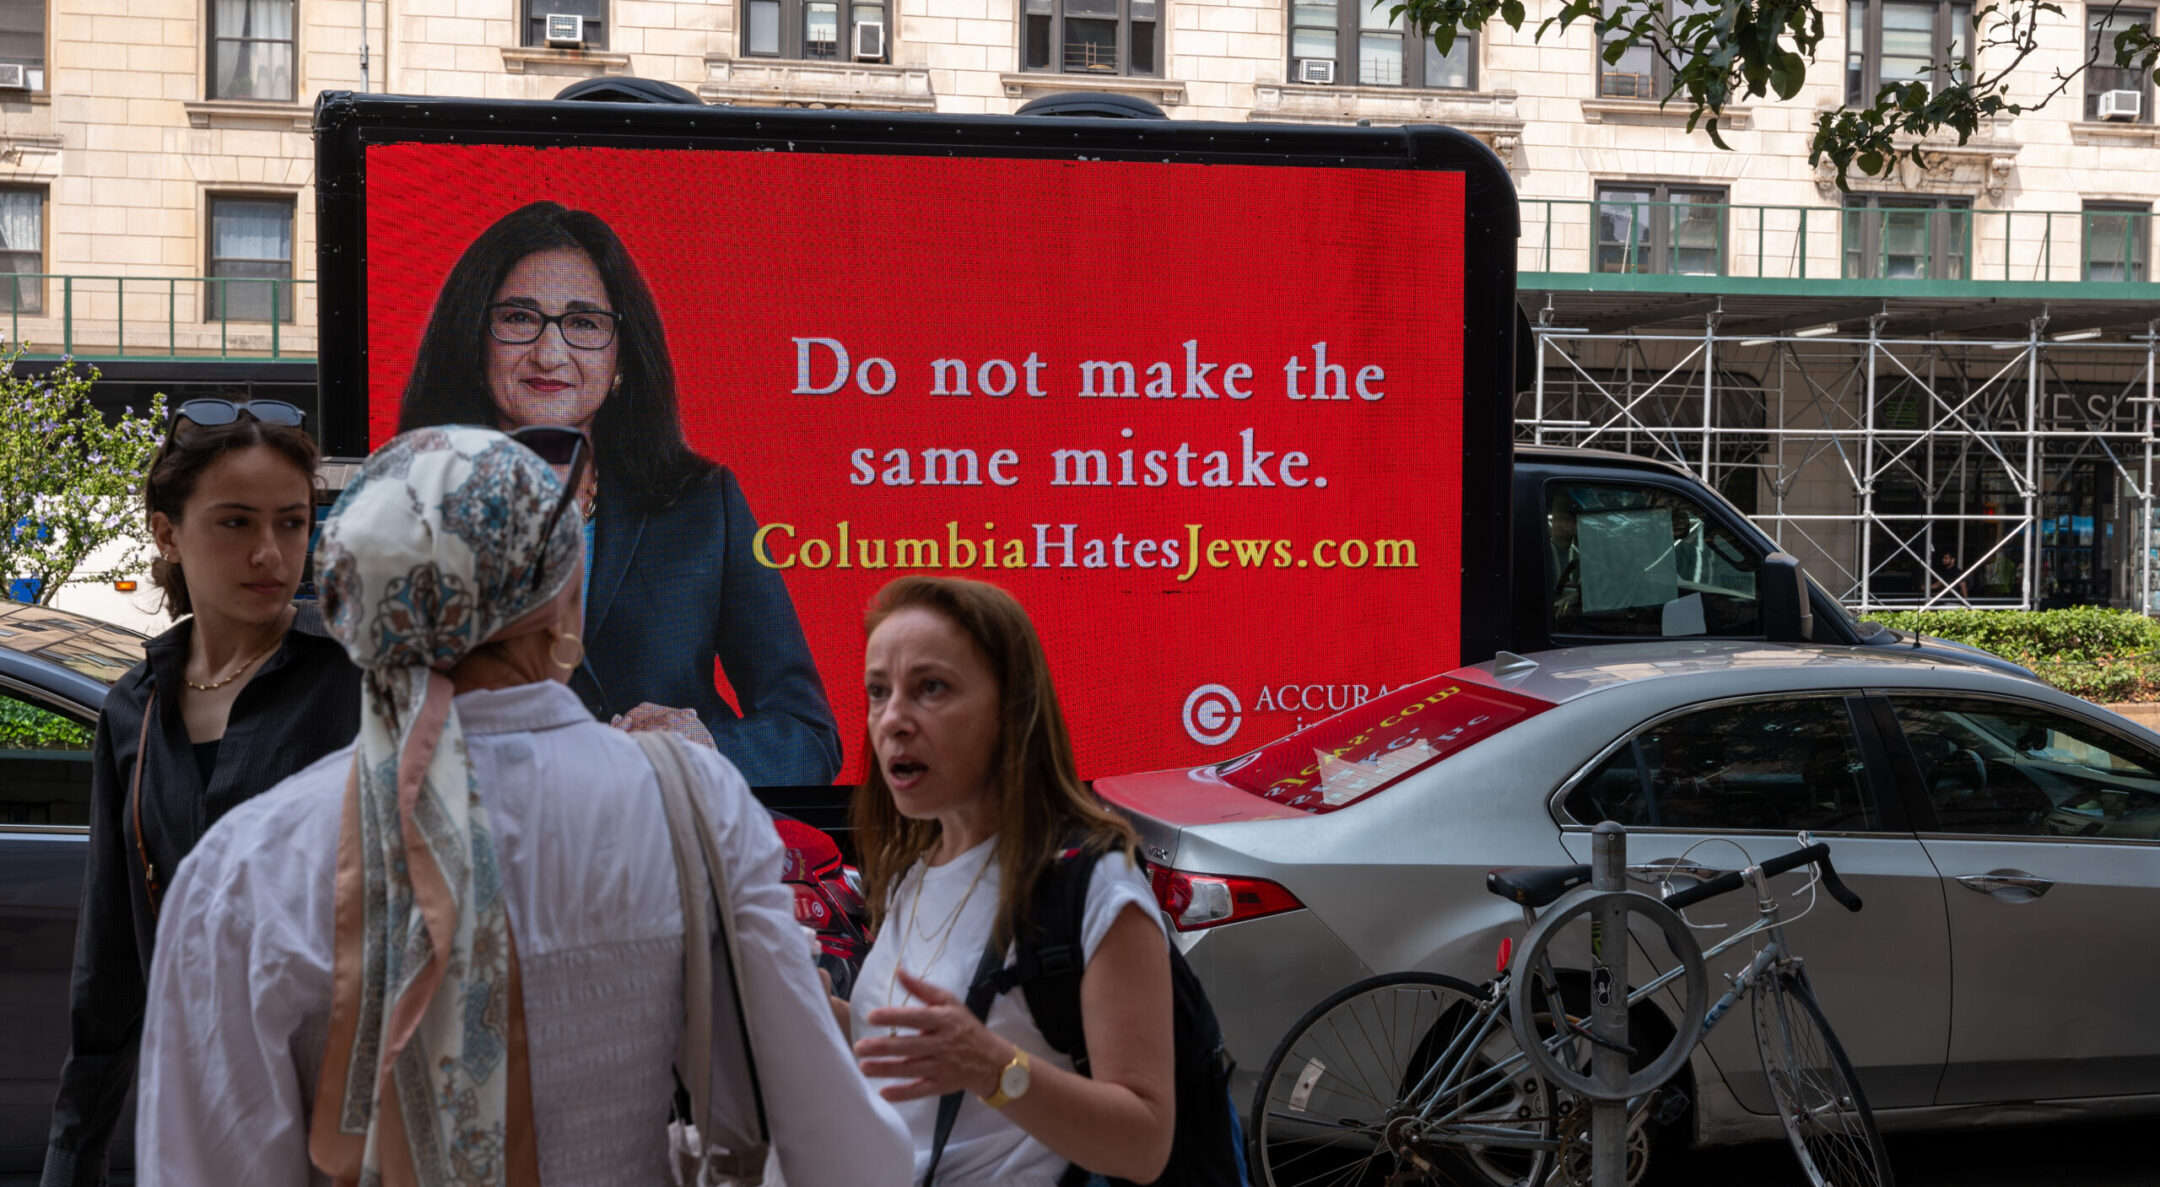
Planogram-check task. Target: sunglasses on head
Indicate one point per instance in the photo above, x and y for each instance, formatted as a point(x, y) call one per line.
point(557, 447)
point(212, 412)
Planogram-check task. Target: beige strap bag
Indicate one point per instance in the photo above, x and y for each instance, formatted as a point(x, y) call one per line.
point(697, 1156)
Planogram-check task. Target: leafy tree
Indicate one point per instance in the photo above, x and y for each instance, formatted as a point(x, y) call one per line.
point(1724, 51)
point(69, 477)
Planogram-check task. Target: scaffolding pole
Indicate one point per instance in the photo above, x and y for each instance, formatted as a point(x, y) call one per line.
point(1925, 454)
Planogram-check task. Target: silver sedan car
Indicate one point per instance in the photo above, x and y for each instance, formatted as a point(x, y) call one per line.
point(2005, 838)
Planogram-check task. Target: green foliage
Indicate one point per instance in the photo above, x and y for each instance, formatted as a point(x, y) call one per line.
point(69, 479)
point(2100, 655)
point(27, 727)
point(1732, 50)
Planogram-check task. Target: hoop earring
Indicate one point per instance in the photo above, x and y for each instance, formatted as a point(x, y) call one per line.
point(556, 646)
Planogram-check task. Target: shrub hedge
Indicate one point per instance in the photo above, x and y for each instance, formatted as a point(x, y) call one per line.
point(26, 727)
point(2100, 655)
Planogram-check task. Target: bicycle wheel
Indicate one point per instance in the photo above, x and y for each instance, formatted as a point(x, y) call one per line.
point(1818, 1098)
point(1334, 1105)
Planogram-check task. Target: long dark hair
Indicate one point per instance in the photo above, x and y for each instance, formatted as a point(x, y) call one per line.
point(179, 464)
point(637, 434)
point(1042, 805)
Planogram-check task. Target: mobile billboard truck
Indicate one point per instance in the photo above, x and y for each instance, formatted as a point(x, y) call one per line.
point(1226, 406)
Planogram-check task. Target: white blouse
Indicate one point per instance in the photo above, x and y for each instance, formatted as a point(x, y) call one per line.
point(239, 997)
point(940, 938)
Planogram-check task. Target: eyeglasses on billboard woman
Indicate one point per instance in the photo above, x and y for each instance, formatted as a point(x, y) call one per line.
point(546, 320)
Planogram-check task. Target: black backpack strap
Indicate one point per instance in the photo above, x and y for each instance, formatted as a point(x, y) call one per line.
point(980, 995)
point(1050, 957)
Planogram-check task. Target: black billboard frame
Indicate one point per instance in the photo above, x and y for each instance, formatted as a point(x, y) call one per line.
point(347, 124)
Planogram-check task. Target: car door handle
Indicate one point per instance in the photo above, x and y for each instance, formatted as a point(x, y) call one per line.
point(1659, 871)
point(1998, 881)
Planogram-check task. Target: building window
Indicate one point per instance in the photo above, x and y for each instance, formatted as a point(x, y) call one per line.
point(251, 50)
point(2103, 22)
point(22, 250)
point(818, 30)
point(1888, 42)
point(251, 240)
point(22, 42)
point(1350, 43)
point(1907, 238)
point(1642, 71)
point(2116, 241)
point(1093, 36)
point(1676, 230)
point(592, 28)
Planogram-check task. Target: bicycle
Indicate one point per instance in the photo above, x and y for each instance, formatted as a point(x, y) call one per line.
point(1423, 1078)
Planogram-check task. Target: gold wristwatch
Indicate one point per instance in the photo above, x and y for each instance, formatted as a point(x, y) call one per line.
point(1012, 1082)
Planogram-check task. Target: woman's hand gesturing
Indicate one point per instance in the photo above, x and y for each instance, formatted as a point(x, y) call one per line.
point(949, 1051)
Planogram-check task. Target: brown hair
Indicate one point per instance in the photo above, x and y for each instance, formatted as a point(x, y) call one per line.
point(179, 464)
point(1042, 806)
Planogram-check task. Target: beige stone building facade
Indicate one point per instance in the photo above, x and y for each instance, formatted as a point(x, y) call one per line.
point(1721, 308)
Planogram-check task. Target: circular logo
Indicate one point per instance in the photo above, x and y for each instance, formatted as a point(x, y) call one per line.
point(1212, 715)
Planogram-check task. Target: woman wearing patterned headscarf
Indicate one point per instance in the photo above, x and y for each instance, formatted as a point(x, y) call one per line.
point(454, 953)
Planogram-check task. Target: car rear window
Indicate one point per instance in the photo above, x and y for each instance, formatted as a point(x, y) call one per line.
point(1362, 751)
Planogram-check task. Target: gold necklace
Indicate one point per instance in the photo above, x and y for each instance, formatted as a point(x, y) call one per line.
point(951, 925)
point(245, 664)
point(951, 919)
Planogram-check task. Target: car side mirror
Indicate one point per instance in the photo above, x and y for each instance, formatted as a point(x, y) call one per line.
point(1786, 613)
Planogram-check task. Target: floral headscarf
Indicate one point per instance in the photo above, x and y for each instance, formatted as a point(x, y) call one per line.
point(428, 554)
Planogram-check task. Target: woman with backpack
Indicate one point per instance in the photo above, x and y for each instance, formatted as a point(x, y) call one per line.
point(971, 809)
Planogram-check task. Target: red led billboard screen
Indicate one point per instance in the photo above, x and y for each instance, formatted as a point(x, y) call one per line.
point(1205, 418)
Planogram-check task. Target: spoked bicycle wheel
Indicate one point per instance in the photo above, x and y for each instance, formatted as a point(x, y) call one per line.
point(1335, 1106)
point(1818, 1097)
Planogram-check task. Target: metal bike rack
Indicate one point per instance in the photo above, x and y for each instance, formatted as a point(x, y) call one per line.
point(1609, 1085)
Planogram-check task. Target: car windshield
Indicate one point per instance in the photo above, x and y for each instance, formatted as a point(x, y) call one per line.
point(1364, 750)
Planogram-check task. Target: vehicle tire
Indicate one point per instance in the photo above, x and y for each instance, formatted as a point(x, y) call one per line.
point(1331, 1109)
point(1818, 1098)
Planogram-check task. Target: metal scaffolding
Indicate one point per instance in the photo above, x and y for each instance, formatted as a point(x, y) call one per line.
point(1906, 473)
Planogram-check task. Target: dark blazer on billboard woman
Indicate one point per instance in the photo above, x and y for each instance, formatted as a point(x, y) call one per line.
point(303, 703)
point(676, 588)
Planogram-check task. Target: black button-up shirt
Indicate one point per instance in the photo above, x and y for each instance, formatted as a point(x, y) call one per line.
point(303, 703)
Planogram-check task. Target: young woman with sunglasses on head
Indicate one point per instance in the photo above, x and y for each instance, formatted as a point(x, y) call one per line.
point(245, 689)
point(546, 320)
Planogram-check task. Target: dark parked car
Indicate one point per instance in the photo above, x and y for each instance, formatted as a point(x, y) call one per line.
point(55, 668)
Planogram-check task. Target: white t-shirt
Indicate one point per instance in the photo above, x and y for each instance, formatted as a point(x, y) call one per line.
point(985, 1147)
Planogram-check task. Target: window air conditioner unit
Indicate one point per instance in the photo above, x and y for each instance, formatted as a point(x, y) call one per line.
point(1319, 70)
point(13, 77)
point(2121, 105)
point(870, 41)
point(565, 28)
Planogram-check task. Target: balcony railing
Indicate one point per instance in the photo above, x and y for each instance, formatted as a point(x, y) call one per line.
point(1876, 242)
point(117, 317)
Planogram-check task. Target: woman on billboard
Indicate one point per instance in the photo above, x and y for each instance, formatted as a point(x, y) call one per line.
point(546, 320)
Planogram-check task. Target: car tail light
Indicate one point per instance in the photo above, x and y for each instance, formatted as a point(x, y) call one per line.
point(1194, 901)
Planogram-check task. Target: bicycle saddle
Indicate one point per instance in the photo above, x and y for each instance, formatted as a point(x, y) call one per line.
point(1535, 886)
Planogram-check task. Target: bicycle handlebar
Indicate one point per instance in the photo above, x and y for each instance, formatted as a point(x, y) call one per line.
point(1731, 880)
